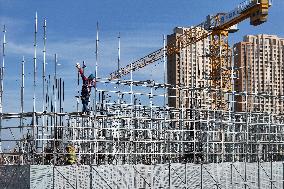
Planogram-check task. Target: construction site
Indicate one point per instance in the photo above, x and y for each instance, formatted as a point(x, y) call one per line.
point(216, 121)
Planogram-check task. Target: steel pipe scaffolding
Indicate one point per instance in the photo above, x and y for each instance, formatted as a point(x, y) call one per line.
point(142, 132)
point(131, 123)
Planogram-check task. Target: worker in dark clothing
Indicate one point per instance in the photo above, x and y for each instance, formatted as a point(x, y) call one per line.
point(88, 83)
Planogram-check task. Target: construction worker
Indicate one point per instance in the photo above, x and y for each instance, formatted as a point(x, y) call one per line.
point(88, 83)
point(71, 155)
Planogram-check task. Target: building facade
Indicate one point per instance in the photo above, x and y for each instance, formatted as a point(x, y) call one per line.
point(259, 59)
point(188, 72)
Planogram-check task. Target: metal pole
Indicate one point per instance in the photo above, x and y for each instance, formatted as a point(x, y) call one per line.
point(55, 109)
point(164, 62)
point(97, 49)
point(60, 101)
point(96, 76)
point(35, 48)
point(63, 94)
point(164, 128)
point(43, 65)
point(118, 67)
point(34, 88)
point(43, 86)
point(22, 90)
point(2, 68)
point(271, 154)
point(22, 104)
point(2, 83)
point(246, 133)
point(55, 80)
point(48, 98)
point(131, 87)
point(118, 58)
point(96, 68)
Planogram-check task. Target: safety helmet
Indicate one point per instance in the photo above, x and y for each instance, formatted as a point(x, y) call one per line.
point(91, 77)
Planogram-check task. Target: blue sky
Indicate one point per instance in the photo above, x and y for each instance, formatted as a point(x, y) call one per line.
point(71, 33)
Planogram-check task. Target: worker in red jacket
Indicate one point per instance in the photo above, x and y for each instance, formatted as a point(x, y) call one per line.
point(88, 83)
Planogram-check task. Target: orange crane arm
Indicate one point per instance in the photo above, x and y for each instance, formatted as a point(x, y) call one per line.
point(256, 10)
point(184, 40)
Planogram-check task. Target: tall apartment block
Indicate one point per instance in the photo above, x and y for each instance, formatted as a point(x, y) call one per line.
point(260, 59)
point(188, 72)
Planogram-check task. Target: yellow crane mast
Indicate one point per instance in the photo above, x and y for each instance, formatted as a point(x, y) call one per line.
point(216, 28)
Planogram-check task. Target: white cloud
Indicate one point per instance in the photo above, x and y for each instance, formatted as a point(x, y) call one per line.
point(76, 50)
point(12, 24)
point(19, 49)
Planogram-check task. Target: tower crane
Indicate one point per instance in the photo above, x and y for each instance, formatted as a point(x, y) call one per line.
point(216, 28)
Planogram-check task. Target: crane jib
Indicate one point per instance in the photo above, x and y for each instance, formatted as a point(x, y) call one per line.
point(237, 11)
point(256, 10)
point(153, 57)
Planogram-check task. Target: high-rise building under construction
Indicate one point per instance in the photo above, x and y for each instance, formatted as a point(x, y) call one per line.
point(259, 59)
point(187, 70)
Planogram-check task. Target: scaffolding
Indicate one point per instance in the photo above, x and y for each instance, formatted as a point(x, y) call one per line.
point(130, 123)
point(129, 128)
